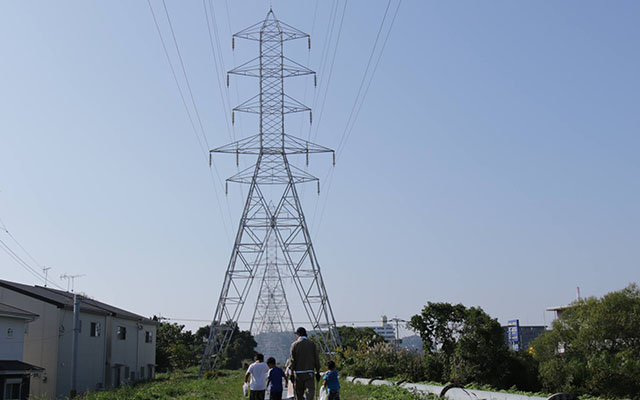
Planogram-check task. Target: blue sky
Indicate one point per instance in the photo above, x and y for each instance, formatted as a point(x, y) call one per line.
point(494, 161)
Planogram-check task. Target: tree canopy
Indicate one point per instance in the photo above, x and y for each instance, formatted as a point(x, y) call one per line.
point(461, 344)
point(352, 337)
point(177, 349)
point(594, 347)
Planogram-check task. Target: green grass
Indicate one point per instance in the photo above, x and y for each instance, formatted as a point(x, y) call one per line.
point(227, 385)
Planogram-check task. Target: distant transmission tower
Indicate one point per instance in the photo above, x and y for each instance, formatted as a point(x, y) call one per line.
point(272, 313)
point(273, 233)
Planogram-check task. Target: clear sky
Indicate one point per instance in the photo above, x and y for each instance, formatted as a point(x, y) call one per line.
point(494, 161)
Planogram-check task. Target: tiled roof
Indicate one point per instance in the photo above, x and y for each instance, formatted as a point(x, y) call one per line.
point(8, 310)
point(15, 365)
point(64, 299)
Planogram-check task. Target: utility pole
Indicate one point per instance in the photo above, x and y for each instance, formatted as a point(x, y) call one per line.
point(397, 321)
point(272, 220)
point(74, 353)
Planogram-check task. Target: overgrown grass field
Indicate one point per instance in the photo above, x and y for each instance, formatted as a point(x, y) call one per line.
point(227, 385)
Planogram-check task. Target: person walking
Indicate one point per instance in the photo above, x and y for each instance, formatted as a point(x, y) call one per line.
point(257, 372)
point(304, 361)
point(274, 380)
point(331, 381)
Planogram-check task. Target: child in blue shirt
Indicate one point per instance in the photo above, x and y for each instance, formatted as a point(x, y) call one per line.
point(274, 380)
point(331, 381)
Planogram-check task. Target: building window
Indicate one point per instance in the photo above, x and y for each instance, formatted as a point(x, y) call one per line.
point(122, 335)
point(13, 389)
point(96, 329)
point(148, 337)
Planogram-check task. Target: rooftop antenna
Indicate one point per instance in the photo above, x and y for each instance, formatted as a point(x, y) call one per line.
point(45, 271)
point(71, 280)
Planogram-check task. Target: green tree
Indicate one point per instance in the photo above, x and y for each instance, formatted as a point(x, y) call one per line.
point(174, 347)
point(241, 347)
point(594, 347)
point(352, 337)
point(461, 344)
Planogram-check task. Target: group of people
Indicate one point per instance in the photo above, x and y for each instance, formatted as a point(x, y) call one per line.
point(302, 367)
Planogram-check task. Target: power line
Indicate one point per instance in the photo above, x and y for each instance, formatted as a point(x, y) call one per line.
point(333, 60)
point(184, 72)
point(384, 44)
point(23, 263)
point(186, 109)
point(364, 76)
point(349, 129)
point(215, 64)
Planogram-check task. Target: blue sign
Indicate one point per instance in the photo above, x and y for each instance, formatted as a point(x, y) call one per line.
point(513, 328)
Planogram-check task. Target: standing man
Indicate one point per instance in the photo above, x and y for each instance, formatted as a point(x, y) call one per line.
point(304, 361)
point(258, 374)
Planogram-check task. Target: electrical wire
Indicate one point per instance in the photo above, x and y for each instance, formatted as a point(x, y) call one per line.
point(333, 60)
point(184, 72)
point(217, 70)
point(20, 261)
point(349, 129)
point(375, 68)
point(364, 75)
point(190, 117)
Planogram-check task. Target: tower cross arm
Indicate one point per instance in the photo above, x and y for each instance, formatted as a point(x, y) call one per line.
point(252, 145)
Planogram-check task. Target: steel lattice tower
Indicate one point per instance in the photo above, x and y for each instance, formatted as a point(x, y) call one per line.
point(273, 232)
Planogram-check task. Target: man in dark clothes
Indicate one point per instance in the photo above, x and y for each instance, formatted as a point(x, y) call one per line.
point(304, 361)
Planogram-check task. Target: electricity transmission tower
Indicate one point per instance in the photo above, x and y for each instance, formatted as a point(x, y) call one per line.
point(273, 232)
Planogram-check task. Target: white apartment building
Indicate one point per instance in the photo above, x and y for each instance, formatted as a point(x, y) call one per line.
point(115, 346)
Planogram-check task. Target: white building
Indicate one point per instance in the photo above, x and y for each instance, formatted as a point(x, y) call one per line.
point(386, 330)
point(114, 346)
point(14, 373)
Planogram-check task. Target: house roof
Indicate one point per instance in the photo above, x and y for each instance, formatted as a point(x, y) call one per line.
point(14, 312)
point(62, 299)
point(560, 308)
point(17, 367)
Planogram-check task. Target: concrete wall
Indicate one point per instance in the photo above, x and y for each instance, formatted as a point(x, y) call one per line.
point(132, 353)
point(91, 354)
point(11, 338)
point(40, 341)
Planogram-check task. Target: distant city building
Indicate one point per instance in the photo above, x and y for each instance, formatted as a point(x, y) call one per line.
point(114, 346)
point(15, 375)
point(559, 310)
point(386, 330)
point(518, 338)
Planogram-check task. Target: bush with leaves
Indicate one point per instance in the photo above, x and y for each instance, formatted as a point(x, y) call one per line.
point(381, 360)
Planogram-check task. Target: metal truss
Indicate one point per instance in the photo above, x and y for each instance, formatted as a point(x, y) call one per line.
point(272, 313)
point(273, 233)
